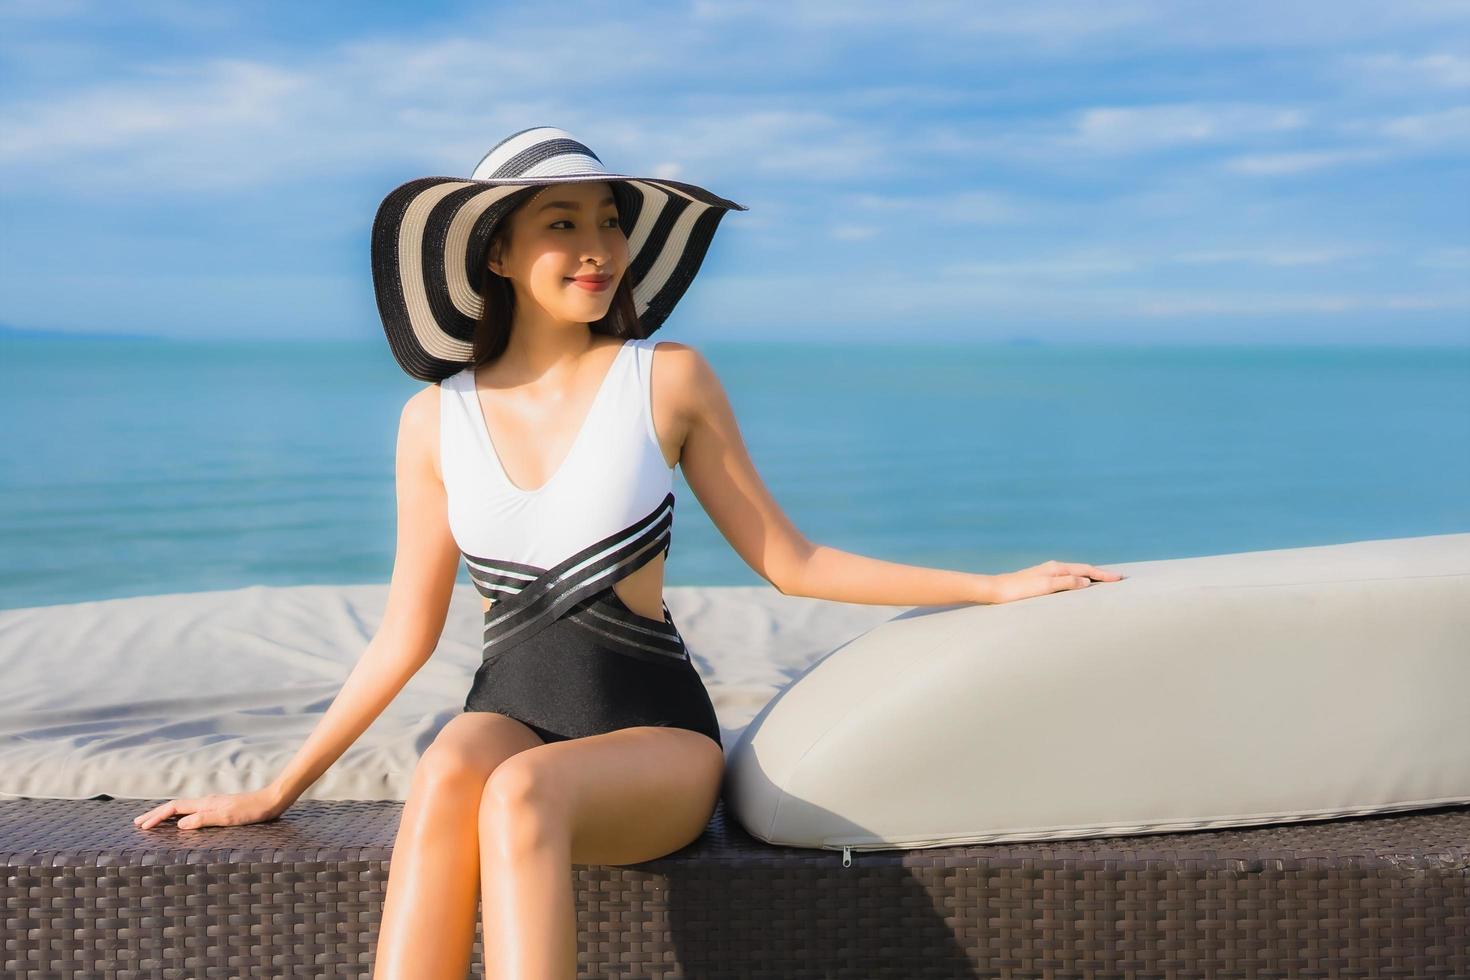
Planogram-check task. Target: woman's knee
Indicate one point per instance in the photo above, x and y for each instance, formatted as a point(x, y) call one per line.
point(522, 803)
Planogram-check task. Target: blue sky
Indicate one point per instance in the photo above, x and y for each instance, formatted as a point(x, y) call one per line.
point(1102, 172)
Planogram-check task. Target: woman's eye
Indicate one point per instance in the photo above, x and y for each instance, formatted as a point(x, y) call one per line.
point(567, 221)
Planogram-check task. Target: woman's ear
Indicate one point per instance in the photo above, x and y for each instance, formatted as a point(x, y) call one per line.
point(494, 259)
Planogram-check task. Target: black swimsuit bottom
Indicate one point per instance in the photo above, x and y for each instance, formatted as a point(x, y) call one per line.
point(597, 669)
point(565, 656)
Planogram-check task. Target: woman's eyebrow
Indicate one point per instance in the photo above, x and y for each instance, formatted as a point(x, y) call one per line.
point(572, 205)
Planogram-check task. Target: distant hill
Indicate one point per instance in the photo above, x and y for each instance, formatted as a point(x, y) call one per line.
point(8, 332)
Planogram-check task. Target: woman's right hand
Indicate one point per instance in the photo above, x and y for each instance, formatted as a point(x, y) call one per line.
point(1046, 578)
point(216, 810)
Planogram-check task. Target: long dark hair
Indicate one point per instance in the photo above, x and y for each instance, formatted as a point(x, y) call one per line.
point(492, 330)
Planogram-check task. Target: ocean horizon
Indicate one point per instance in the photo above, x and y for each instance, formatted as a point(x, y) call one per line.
point(139, 466)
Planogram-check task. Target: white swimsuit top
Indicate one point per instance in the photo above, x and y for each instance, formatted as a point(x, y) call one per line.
point(605, 512)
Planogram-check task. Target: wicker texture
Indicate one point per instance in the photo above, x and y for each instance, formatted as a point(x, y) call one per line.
point(88, 895)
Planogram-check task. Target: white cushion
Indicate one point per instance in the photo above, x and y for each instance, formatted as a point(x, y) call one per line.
point(1220, 691)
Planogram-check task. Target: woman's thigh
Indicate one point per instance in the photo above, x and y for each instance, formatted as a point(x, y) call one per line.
point(629, 795)
point(477, 742)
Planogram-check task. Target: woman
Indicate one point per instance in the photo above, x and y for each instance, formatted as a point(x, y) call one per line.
point(543, 457)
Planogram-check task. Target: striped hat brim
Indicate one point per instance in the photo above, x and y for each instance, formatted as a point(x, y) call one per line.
point(429, 235)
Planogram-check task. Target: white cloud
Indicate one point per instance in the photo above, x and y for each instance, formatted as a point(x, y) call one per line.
point(1267, 304)
point(1321, 255)
point(41, 9)
point(190, 103)
point(1449, 257)
point(1100, 263)
point(1107, 262)
point(432, 106)
point(1378, 139)
point(1297, 162)
point(1135, 129)
point(1135, 24)
point(1073, 141)
point(904, 299)
point(435, 104)
point(1445, 126)
point(1437, 70)
point(1042, 21)
point(961, 207)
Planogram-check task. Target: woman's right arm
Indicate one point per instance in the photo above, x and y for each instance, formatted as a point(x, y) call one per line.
point(424, 570)
point(425, 566)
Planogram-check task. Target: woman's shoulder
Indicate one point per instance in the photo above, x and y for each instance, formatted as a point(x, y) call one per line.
point(425, 400)
point(671, 358)
point(684, 378)
point(418, 424)
point(661, 343)
point(672, 352)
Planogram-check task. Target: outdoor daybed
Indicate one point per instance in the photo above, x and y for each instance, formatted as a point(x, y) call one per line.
point(1080, 886)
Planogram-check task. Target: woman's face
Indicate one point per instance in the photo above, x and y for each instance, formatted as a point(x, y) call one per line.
point(564, 231)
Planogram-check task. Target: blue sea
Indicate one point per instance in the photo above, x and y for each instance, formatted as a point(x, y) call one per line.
point(137, 466)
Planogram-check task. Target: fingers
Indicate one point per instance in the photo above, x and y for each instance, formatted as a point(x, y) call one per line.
point(193, 820)
point(1091, 571)
point(1073, 576)
point(153, 816)
point(161, 813)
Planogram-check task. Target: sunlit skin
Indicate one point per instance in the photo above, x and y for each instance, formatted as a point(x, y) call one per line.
point(494, 814)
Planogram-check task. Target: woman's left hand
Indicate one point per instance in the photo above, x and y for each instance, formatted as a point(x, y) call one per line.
point(1046, 578)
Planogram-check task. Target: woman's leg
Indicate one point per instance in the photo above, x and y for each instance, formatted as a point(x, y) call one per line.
point(618, 798)
point(428, 924)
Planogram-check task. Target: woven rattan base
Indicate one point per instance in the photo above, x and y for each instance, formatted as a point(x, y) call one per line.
point(88, 895)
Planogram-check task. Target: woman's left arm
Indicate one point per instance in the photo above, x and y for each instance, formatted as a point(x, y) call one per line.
point(719, 470)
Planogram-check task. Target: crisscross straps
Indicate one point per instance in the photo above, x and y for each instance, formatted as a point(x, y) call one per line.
point(616, 626)
point(527, 598)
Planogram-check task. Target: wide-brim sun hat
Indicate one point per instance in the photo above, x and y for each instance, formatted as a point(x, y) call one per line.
point(430, 235)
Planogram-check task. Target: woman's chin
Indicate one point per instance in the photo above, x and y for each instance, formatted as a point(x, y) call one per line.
point(590, 302)
point(580, 312)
